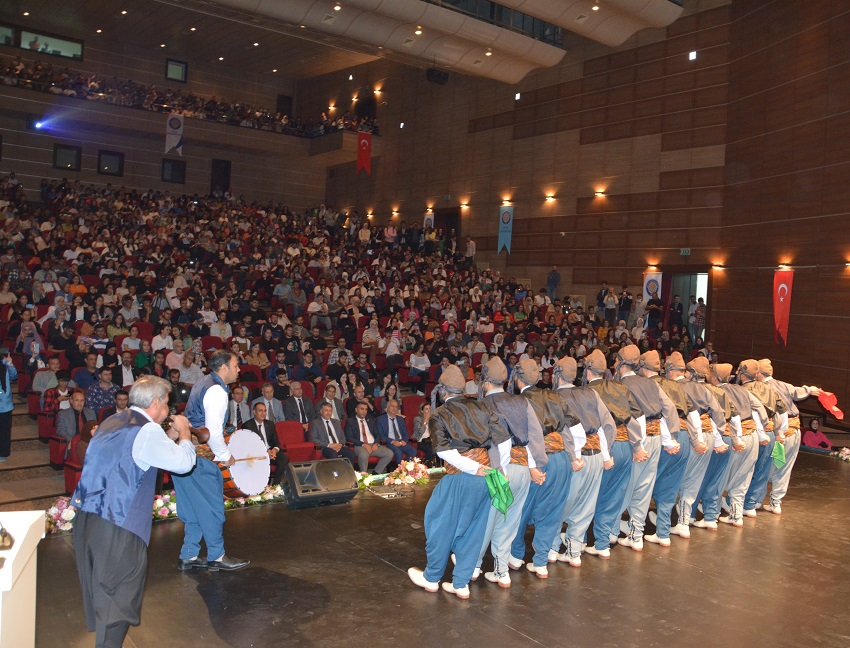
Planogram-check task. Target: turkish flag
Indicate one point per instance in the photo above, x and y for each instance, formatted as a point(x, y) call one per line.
point(782, 282)
point(364, 152)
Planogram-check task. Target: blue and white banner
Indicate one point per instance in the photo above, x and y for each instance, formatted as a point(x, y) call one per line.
point(174, 134)
point(428, 221)
point(651, 284)
point(506, 227)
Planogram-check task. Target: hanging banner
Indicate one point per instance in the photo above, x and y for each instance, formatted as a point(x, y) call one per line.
point(782, 282)
point(364, 152)
point(428, 221)
point(651, 284)
point(506, 227)
point(174, 134)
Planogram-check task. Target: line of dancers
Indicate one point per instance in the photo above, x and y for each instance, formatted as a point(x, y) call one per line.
point(691, 439)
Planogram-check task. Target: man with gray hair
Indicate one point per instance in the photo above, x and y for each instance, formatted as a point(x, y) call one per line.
point(113, 501)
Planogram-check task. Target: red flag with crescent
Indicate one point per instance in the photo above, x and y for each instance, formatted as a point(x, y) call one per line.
point(364, 152)
point(782, 282)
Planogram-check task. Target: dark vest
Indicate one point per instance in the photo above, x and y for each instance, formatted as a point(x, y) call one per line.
point(112, 485)
point(195, 405)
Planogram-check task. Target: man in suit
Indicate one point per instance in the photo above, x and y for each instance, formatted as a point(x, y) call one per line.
point(361, 432)
point(70, 422)
point(297, 407)
point(267, 433)
point(326, 432)
point(393, 431)
point(238, 411)
point(274, 408)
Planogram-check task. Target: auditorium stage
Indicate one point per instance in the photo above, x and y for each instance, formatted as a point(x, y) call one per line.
point(335, 576)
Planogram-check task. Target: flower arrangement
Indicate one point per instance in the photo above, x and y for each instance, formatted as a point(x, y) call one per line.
point(408, 473)
point(61, 516)
point(269, 494)
point(165, 506)
point(843, 454)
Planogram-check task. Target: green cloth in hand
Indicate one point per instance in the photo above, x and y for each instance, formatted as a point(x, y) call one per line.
point(500, 490)
point(778, 454)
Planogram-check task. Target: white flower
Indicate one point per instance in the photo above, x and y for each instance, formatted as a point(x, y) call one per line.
point(409, 465)
point(68, 515)
point(173, 507)
point(256, 498)
point(268, 496)
point(53, 511)
point(408, 480)
point(398, 482)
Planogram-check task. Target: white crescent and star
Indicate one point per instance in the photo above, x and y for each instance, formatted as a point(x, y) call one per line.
point(779, 292)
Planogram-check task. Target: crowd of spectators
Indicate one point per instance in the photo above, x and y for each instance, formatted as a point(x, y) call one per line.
point(44, 77)
point(117, 282)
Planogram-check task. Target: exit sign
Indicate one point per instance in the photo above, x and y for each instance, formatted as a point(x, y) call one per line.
point(684, 251)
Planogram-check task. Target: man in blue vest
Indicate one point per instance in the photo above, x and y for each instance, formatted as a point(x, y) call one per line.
point(200, 492)
point(113, 501)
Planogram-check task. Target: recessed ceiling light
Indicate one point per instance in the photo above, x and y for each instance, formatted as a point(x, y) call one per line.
point(124, 12)
point(488, 53)
point(191, 29)
point(351, 77)
point(596, 7)
point(274, 70)
point(256, 44)
point(220, 58)
point(99, 31)
point(517, 96)
point(418, 31)
point(162, 44)
point(401, 125)
point(337, 7)
point(26, 13)
point(692, 56)
point(302, 26)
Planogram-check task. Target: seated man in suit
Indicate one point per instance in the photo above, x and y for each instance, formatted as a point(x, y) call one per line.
point(393, 431)
point(360, 431)
point(299, 408)
point(238, 411)
point(274, 408)
point(122, 402)
point(266, 430)
point(70, 422)
point(326, 432)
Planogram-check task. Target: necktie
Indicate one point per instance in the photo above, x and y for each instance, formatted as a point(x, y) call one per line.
point(79, 422)
point(238, 416)
point(363, 430)
point(394, 427)
point(270, 411)
point(331, 433)
point(301, 410)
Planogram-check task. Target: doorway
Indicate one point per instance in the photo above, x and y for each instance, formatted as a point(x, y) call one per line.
point(685, 285)
point(219, 176)
point(448, 219)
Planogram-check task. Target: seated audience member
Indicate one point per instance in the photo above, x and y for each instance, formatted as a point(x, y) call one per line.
point(58, 398)
point(86, 435)
point(69, 422)
point(298, 407)
point(190, 372)
point(87, 376)
point(179, 391)
point(361, 433)
point(175, 358)
point(282, 386)
point(266, 431)
point(238, 411)
point(125, 374)
point(815, 438)
point(393, 430)
point(360, 396)
point(421, 433)
point(102, 394)
point(326, 433)
point(308, 370)
point(274, 408)
point(122, 402)
point(330, 397)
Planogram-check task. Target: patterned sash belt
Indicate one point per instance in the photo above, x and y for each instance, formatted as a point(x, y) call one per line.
point(554, 442)
point(592, 442)
point(653, 427)
point(205, 452)
point(519, 455)
point(748, 427)
point(706, 424)
point(622, 433)
point(683, 424)
point(769, 426)
point(476, 454)
point(793, 425)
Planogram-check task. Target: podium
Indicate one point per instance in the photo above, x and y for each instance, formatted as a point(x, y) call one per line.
point(17, 578)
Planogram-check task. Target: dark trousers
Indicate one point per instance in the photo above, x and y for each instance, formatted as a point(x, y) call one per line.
point(344, 453)
point(112, 565)
point(5, 433)
point(280, 463)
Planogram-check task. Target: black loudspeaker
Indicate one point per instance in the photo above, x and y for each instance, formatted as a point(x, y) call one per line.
point(439, 77)
point(315, 483)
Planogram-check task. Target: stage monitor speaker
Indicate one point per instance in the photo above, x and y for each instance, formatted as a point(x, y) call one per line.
point(315, 483)
point(439, 77)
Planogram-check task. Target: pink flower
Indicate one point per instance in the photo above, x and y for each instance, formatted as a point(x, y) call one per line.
point(163, 511)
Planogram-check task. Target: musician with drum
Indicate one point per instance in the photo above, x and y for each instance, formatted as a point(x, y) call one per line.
point(199, 493)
